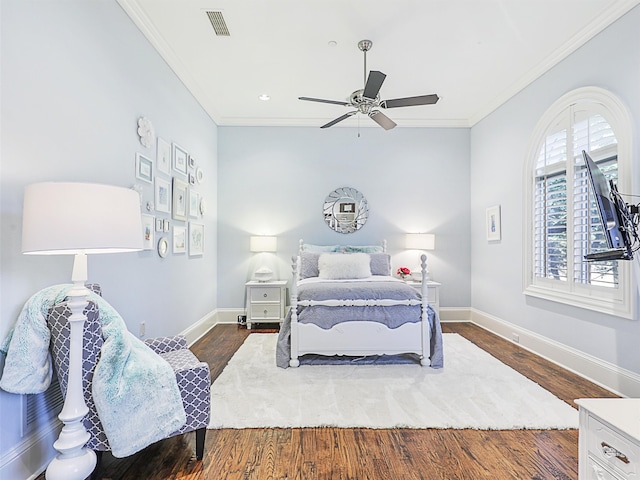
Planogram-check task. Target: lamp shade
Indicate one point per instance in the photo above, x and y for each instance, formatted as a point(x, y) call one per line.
point(263, 244)
point(420, 241)
point(70, 218)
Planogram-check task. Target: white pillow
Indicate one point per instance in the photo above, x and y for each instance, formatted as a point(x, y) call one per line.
point(339, 266)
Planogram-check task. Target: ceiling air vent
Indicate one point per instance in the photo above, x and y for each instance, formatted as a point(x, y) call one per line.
point(218, 23)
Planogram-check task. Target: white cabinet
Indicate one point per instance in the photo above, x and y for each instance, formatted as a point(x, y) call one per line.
point(609, 439)
point(433, 293)
point(265, 301)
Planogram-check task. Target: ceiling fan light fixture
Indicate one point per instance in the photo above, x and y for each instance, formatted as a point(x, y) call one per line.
point(367, 100)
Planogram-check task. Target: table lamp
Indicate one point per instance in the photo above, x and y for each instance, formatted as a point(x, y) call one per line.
point(420, 241)
point(78, 219)
point(261, 244)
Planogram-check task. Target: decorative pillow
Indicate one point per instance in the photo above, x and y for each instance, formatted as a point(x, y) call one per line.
point(337, 266)
point(308, 247)
point(363, 249)
point(309, 264)
point(380, 264)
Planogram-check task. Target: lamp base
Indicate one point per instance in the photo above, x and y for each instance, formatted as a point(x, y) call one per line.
point(61, 468)
point(263, 274)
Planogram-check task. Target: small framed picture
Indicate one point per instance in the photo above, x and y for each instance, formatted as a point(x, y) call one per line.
point(196, 239)
point(144, 168)
point(493, 223)
point(163, 195)
point(192, 179)
point(180, 159)
point(192, 162)
point(163, 157)
point(194, 204)
point(159, 225)
point(148, 232)
point(180, 198)
point(166, 225)
point(179, 239)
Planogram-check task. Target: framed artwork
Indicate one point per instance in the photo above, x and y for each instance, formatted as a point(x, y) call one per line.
point(148, 232)
point(144, 168)
point(192, 162)
point(180, 198)
point(163, 157)
point(180, 159)
point(196, 239)
point(493, 223)
point(179, 239)
point(163, 195)
point(163, 247)
point(194, 204)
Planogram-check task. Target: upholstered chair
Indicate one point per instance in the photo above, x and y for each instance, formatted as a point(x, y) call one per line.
point(192, 376)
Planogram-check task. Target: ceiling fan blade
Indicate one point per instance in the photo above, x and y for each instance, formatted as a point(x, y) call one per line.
point(382, 120)
point(374, 82)
point(339, 119)
point(410, 101)
point(336, 102)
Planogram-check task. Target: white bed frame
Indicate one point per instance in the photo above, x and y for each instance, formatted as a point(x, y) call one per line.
point(359, 338)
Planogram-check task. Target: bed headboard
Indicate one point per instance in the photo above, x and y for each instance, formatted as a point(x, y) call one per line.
point(309, 247)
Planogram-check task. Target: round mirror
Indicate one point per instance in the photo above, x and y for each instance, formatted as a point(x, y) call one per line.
point(345, 210)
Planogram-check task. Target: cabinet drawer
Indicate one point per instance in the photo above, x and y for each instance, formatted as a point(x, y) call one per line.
point(264, 294)
point(611, 449)
point(595, 471)
point(265, 311)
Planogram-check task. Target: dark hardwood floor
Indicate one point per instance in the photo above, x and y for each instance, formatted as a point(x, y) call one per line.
point(367, 454)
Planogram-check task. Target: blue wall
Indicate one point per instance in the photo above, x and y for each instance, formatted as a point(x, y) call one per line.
point(274, 180)
point(76, 76)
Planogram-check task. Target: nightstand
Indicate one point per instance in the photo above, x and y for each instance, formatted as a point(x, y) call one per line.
point(265, 301)
point(609, 438)
point(433, 293)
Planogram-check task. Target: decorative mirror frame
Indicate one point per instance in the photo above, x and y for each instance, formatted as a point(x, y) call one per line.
point(345, 210)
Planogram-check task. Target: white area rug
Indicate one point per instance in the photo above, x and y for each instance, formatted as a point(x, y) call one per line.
point(474, 390)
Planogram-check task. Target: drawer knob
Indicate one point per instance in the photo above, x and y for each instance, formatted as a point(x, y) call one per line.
point(611, 452)
point(264, 295)
point(265, 312)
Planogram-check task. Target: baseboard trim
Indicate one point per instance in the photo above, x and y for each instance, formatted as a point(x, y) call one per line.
point(30, 458)
point(607, 375)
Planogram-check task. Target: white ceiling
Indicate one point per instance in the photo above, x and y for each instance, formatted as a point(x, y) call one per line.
point(475, 54)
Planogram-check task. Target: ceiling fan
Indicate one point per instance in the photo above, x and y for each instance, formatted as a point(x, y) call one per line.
point(367, 100)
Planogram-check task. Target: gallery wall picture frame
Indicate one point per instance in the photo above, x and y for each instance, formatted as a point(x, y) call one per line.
point(144, 168)
point(179, 239)
point(163, 247)
point(148, 232)
point(194, 204)
point(163, 157)
point(196, 239)
point(180, 159)
point(180, 198)
point(163, 195)
point(493, 223)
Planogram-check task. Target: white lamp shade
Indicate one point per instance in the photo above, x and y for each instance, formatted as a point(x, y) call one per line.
point(70, 218)
point(263, 244)
point(420, 241)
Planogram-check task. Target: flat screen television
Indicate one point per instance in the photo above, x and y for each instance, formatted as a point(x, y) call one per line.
point(613, 215)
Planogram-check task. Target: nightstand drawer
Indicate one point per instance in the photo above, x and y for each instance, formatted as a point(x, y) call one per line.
point(611, 449)
point(265, 294)
point(595, 471)
point(265, 311)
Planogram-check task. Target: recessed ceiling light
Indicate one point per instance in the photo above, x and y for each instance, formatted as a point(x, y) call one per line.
point(264, 97)
point(333, 43)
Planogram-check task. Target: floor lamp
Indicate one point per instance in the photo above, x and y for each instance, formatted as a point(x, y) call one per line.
point(78, 219)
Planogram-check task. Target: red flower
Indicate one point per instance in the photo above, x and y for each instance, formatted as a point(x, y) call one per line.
point(403, 271)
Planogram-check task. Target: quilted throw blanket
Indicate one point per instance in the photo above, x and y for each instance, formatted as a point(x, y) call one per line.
point(134, 390)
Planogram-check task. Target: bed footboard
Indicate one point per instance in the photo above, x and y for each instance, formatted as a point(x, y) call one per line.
point(359, 338)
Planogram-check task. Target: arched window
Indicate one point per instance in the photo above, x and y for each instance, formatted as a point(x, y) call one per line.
point(561, 218)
